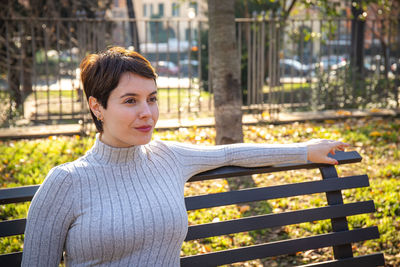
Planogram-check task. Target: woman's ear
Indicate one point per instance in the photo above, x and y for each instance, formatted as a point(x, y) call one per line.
point(95, 107)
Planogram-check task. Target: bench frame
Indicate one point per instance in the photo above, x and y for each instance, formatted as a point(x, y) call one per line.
point(341, 238)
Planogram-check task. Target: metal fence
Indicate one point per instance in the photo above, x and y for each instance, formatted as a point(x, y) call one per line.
point(316, 65)
point(285, 65)
point(40, 65)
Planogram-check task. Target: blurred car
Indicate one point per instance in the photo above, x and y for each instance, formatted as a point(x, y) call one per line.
point(166, 68)
point(332, 62)
point(293, 71)
point(294, 68)
point(188, 67)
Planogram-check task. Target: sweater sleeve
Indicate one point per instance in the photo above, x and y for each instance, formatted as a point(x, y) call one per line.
point(49, 218)
point(194, 159)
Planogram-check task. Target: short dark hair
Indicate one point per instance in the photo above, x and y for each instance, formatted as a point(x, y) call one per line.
point(100, 73)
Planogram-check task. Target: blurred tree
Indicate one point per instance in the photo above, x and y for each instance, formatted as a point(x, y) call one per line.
point(133, 25)
point(225, 72)
point(281, 10)
point(385, 27)
point(17, 35)
point(357, 39)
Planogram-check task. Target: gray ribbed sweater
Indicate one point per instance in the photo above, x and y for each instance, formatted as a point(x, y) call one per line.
point(125, 206)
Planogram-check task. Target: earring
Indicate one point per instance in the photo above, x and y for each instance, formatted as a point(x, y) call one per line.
point(99, 118)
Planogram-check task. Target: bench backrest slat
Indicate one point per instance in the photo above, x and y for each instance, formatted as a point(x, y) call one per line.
point(274, 192)
point(12, 227)
point(279, 219)
point(280, 247)
point(375, 259)
point(17, 194)
point(11, 259)
point(233, 171)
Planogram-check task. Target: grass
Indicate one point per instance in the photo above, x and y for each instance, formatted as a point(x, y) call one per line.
point(377, 140)
point(288, 87)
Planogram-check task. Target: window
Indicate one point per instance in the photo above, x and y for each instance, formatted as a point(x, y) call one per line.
point(187, 33)
point(194, 6)
point(151, 10)
point(144, 10)
point(161, 10)
point(175, 10)
point(190, 34)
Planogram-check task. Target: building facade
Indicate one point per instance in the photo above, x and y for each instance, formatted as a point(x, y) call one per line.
point(175, 20)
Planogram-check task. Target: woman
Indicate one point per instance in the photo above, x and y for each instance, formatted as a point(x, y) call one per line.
point(122, 203)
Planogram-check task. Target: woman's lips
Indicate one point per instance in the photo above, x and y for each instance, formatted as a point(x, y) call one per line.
point(145, 129)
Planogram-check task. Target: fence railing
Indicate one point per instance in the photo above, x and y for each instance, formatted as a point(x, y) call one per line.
point(314, 64)
point(285, 65)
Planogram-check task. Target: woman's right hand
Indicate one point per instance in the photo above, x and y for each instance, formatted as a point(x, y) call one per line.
point(318, 149)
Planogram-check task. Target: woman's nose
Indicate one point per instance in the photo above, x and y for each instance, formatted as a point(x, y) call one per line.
point(145, 111)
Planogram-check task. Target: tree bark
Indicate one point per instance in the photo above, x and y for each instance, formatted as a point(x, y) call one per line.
point(133, 26)
point(225, 72)
point(357, 41)
point(14, 84)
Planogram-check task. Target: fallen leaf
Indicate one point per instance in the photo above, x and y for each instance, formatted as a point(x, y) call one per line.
point(343, 112)
point(244, 208)
point(375, 134)
point(375, 110)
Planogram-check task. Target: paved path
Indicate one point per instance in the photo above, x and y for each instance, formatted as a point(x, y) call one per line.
point(73, 129)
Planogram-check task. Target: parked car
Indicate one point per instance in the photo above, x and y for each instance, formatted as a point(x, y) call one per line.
point(293, 71)
point(184, 67)
point(294, 68)
point(166, 68)
point(332, 62)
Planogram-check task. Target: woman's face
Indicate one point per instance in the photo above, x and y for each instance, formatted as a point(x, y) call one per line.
point(132, 112)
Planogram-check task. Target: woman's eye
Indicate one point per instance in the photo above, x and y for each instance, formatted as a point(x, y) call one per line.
point(153, 99)
point(130, 101)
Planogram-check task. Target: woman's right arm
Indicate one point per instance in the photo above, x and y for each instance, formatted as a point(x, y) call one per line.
point(49, 218)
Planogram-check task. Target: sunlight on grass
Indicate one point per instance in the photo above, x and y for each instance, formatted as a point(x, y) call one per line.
point(27, 162)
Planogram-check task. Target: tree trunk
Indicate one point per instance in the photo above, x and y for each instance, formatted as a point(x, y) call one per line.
point(385, 59)
point(14, 83)
point(357, 41)
point(225, 72)
point(27, 65)
point(133, 26)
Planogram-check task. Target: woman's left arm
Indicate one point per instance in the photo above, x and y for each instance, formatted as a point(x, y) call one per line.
point(194, 159)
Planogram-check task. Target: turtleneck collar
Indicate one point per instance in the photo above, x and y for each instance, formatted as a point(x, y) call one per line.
point(106, 154)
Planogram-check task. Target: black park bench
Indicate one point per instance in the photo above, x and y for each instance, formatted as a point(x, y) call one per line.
point(340, 239)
